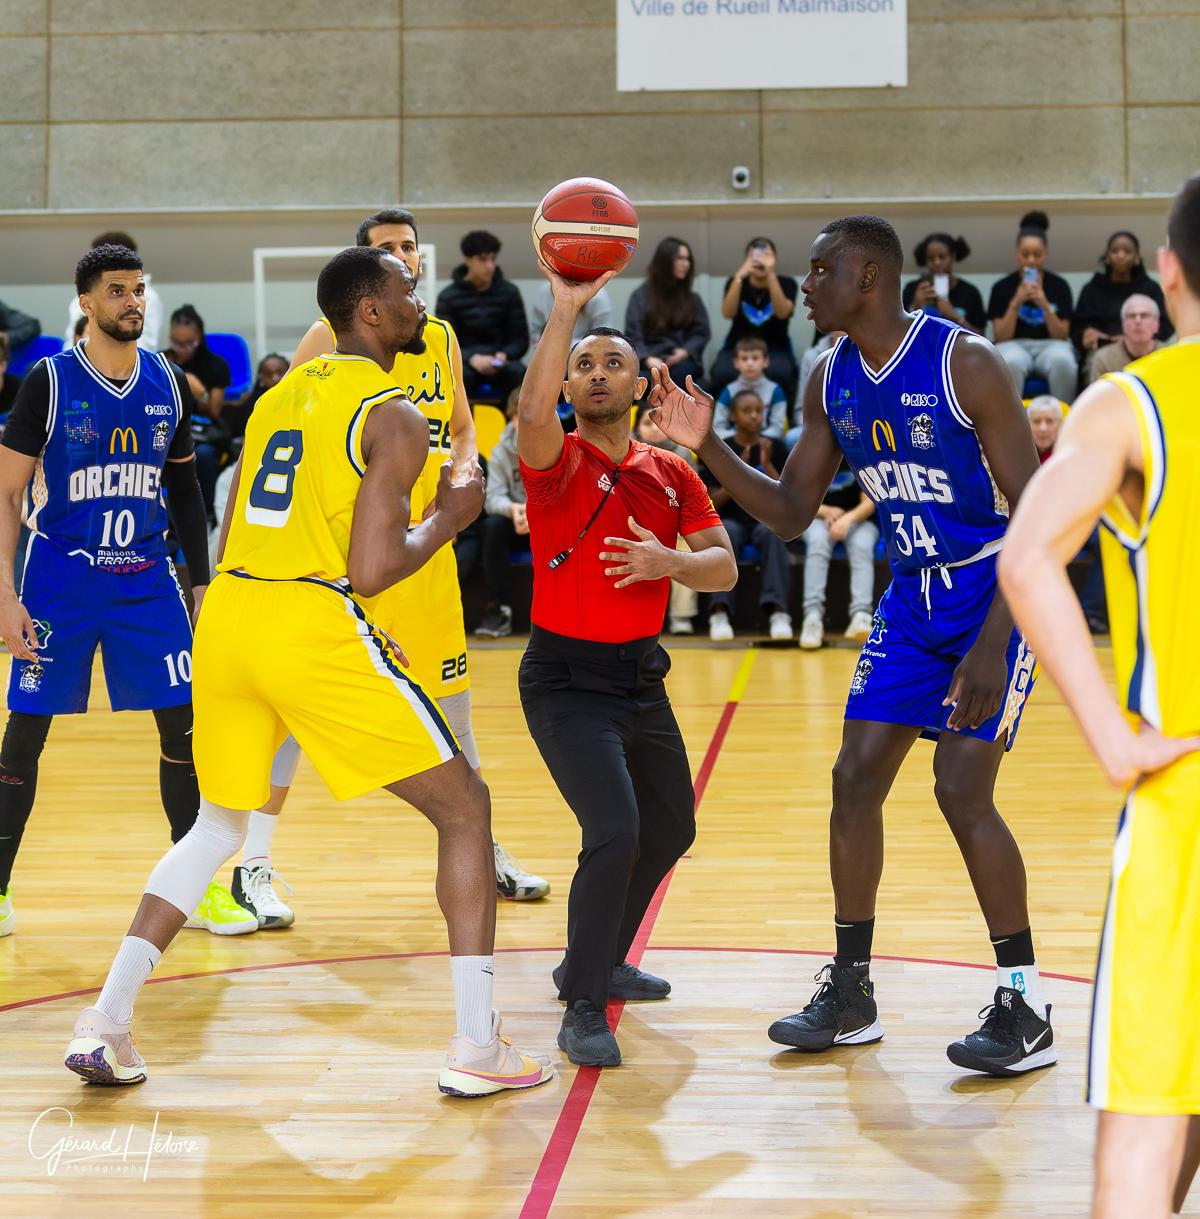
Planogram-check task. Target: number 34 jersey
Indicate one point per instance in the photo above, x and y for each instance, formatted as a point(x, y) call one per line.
point(302, 467)
point(914, 450)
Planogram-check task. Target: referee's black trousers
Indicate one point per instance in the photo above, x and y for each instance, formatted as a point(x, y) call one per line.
point(600, 717)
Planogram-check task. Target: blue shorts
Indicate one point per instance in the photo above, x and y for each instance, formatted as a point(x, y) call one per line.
point(921, 630)
point(139, 620)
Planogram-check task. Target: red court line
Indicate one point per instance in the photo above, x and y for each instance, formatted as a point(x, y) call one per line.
point(566, 1130)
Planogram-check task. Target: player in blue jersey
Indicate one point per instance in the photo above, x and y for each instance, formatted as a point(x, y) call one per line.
point(926, 414)
point(101, 429)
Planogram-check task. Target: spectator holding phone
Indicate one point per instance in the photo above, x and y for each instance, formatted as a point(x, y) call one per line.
point(1031, 315)
point(939, 290)
point(759, 303)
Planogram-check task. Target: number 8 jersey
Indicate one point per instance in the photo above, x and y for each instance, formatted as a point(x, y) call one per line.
point(302, 466)
point(914, 449)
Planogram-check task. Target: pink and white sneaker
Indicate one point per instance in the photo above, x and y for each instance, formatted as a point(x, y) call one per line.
point(479, 1070)
point(102, 1051)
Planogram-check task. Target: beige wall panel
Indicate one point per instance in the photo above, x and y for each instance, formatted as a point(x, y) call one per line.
point(1162, 146)
point(224, 164)
point(959, 152)
point(23, 16)
point(1164, 60)
point(155, 16)
point(23, 154)
point(22, 79)
point(978, 63)
point(235, 75)
point(1133, 7)
point(514, 159)
point(455, 72)
point(418, 15)
point(956, 10)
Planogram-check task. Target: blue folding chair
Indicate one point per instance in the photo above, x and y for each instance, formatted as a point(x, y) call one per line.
point(22, 359)
point(235, 351)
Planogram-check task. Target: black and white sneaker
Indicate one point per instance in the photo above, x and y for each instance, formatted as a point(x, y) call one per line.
point(1013, 1039)
point(842, 1012)
point(585, 1037)
point(497, 622)
point(627, 982)
point(254, 890)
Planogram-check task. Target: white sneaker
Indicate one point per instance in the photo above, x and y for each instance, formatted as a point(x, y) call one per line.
point(781, 625)
point(479, 1070)
point(720, 629)
point(8, 916)
point(680, 626)
point(253, 889)
point(860, 626)
point(513, 882)
point(812, 632)
point(102, 1051)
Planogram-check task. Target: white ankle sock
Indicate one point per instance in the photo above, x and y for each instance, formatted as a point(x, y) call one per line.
point(130, 969)
point(257, 849)
point(1025, 979)
point(473, 997)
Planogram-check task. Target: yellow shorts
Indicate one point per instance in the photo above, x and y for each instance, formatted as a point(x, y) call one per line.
point(1144, 1056)
point(300, 656)
point(423, 614)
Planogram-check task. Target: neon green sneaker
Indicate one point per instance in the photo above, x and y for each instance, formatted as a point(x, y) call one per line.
point(8, 917)
point(221, 914)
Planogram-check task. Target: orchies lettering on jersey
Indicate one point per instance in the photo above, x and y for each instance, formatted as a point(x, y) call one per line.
point(914, 450)
point(97, 493)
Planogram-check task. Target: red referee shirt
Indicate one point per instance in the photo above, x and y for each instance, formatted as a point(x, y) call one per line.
point(658, 489)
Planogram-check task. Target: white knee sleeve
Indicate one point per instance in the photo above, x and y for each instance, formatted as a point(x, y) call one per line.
point(184, 872)
point(287, 758)
point(457, 710)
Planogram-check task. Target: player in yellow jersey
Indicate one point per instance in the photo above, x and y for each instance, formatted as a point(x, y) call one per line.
point(1129, 455)
point(425, 611)
point(320, 503)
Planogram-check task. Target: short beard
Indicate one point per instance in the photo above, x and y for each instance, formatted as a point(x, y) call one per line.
point(416, 346)
point(114, 330)
point(602, 414)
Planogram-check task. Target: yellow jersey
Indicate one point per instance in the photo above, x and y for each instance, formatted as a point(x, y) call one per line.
point(1152, 574)
point(302, 466)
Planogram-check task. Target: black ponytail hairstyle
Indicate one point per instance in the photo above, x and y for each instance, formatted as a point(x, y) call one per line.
point(956, 245)
point(1033, 224)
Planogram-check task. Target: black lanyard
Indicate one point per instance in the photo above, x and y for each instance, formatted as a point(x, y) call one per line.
point(563, 555)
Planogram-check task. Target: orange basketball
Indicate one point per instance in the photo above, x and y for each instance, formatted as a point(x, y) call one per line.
point(584, 227)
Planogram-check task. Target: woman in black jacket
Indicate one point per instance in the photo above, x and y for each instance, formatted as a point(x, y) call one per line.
point(665, 320)
point(1097, 319)
point(939, 290)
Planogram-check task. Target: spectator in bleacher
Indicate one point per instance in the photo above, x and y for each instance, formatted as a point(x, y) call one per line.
point(1140, 322)
point(665, 320)
point(768, 455)
point(759, 303)
point(597, 312)
point(505, 526)
point(152, 328)
point(939, 290)
point(80, 333)
point(751, 361)
point(846, 515)
point(234, 415)
point(684, 602)
point(208, 376)
point(488, 317)
point(8, 384)
point(1045, 415)
point(1031, 315)
point(821, 343)
point(1099, 312)
point(19, 327)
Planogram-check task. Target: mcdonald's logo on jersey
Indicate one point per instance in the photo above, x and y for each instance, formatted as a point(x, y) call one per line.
point(127, 438)
point(879, 428)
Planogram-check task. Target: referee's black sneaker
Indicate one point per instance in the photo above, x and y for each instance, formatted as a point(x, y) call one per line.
point(1012, 1040)
point(627, 982)
point(585, 1037)
point(842, 1012)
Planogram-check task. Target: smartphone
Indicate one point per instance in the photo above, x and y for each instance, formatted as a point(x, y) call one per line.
point(941, 285)
point(1030, 275)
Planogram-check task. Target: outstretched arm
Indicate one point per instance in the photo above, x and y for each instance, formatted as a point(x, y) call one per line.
point(787, 504)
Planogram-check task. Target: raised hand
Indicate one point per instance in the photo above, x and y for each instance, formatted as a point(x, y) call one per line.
point(572, 292)
point(685, 415)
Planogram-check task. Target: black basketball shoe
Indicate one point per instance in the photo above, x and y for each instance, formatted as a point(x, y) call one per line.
point(1013, 1039)
point(626, 982)
point(585, 1037)
point(842, 1012)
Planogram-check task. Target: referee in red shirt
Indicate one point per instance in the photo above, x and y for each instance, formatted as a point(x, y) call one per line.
point(605, 512)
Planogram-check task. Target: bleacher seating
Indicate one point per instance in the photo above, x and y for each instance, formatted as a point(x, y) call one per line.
point(235, 351)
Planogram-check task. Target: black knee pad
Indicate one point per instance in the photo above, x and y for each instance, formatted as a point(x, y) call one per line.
point(175, 732)
point(24, 740)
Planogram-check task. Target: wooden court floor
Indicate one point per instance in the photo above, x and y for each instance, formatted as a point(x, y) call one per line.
point(292, 1073)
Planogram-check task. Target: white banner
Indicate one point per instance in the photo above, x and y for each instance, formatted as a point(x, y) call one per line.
point(761, 44)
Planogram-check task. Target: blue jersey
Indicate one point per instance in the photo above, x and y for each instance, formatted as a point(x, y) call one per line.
point(914, 450)
point(97, 491)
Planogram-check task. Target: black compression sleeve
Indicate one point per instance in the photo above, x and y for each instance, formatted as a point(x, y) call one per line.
point(28, 421)
point(187, 511)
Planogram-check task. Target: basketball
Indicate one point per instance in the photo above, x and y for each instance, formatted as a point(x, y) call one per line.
point(584, 227)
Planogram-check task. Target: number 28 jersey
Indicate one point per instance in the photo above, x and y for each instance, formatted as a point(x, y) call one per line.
point(914, 450)
point(302, 466)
